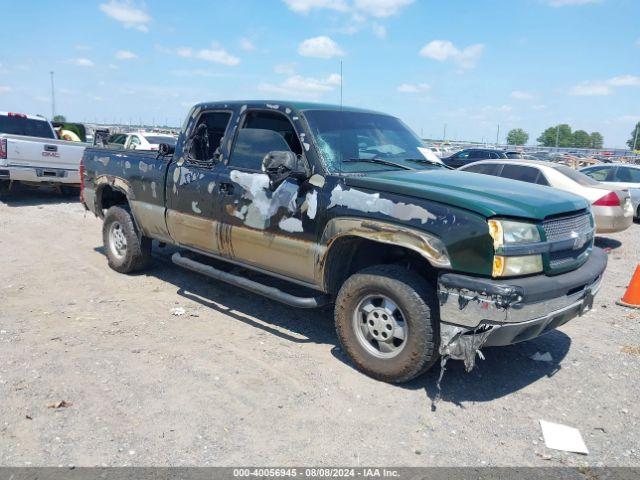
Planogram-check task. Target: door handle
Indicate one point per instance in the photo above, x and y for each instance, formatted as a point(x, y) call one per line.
point(226, 188)
point(50, 148)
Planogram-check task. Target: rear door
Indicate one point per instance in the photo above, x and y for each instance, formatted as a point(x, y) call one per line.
point(193, 209)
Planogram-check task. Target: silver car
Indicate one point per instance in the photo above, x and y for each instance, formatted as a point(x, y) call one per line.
point(622, 175)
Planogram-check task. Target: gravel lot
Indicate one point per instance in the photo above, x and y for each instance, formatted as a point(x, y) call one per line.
point(238, 379)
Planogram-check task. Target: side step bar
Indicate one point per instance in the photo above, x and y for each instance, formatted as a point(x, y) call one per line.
point(255, 287)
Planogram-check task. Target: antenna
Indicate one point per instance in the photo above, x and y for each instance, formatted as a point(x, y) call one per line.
point(340, 85)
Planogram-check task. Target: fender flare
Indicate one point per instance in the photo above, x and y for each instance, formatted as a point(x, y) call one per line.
point(427, 245)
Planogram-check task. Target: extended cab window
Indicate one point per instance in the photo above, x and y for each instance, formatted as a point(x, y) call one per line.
point(207, 135)
point(261, 133)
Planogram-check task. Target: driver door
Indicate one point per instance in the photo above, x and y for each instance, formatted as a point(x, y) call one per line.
point(270, 229)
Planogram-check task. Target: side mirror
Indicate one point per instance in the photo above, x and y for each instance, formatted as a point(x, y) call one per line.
point(279, 165)
point(166, 149)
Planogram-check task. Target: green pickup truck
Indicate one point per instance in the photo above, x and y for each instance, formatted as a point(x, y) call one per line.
point(420, 261)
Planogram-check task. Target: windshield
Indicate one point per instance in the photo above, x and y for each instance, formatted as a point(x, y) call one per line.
point(576, 176)
point(158, 140)
point(25, 126)
point(345, 137)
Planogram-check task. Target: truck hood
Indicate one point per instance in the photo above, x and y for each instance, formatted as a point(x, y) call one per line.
point(486, 195)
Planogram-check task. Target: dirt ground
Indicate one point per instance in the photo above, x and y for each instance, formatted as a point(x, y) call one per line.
point(238, 379)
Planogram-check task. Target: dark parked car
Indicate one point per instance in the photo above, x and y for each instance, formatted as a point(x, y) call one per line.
point(470, 155)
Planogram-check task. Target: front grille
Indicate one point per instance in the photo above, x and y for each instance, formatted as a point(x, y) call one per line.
point(563, 227)
point(566, 258)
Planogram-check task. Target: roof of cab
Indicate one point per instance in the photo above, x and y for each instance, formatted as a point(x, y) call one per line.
point(283, 104)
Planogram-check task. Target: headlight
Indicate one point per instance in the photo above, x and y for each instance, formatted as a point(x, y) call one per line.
point(514, 266)
point(508, 232)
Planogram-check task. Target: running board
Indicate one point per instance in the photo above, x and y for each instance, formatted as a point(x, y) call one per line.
point(255, 287)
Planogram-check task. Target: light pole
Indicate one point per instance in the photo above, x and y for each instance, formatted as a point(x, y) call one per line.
point(635, 140)
point(53, 97)
point(557, 136)
point(498, 136)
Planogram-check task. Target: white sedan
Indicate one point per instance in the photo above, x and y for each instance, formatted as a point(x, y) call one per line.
point(622, 175)
point(611, 205)
point(141, 140)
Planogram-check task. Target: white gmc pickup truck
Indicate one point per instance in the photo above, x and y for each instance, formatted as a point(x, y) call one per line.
point(31, 153)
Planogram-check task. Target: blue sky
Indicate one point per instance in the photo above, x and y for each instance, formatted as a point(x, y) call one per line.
point(472, 64)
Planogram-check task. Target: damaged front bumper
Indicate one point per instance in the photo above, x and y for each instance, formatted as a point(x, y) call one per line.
point(478, 312)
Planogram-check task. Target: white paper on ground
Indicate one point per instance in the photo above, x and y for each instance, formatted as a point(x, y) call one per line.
point(561, 437)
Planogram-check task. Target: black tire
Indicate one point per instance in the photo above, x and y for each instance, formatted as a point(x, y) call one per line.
point(135, 255)
point(4, 188)
point(418, 303)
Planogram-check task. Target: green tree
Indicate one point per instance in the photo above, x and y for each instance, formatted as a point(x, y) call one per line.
point(59, 118)
point(634, 141)
point(597, 140)
point(550, 135)
point(581, 139)
point(517, 136)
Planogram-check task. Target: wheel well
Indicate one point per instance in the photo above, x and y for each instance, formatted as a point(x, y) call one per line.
point(350, 254)
point(109, 196)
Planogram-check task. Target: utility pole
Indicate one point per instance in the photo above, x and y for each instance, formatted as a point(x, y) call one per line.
point(53, 97)
point(557, 136)
point(498, 136)
point(340, 85)
point(444, 135)
point(635, 140)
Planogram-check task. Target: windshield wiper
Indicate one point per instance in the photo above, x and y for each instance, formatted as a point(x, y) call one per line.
point(378, 161)
point(427, 161)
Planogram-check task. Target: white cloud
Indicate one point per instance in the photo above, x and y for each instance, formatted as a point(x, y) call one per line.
point(4, 89)
point(605, 87)
point(215, 54)
point(381, 8)
point(539, 107)
point(624, 81)
point(357, 8)
point(443, 50)
point(521, 95)
point(590, 89)
point(566, 3)
point(247, 45)
point(303, 86)
point(285, 68)
point(125, 55)
point(81, 62)
point(413, 88)
point(320, 47)
point(127, 14)
point(305, 6)
point(379, 31)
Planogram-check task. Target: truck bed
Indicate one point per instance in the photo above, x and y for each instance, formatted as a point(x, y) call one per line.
point(42, 160)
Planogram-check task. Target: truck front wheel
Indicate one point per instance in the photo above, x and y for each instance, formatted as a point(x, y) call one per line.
point(387, 322)
point(127, 250)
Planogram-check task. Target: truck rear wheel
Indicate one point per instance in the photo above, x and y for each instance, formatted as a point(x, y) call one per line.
point(387, 321)
point(127, 250)
point(4, 187)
